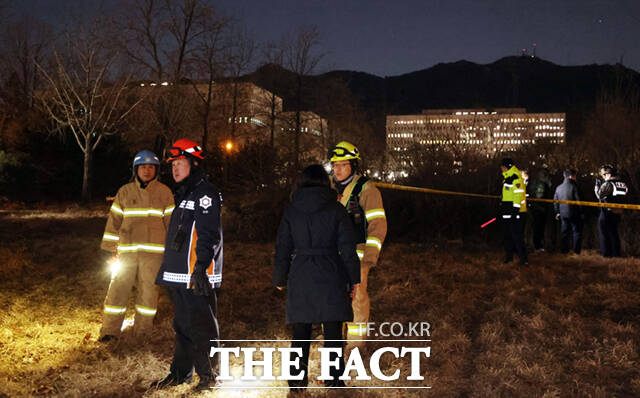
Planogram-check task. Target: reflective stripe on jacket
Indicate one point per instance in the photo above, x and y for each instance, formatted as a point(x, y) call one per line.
point(371, 203)
point(514, 199)
point(197, 215)
point(138, 218)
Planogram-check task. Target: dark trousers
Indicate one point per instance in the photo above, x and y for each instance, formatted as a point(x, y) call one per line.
point(301, 332)
point(608, 231)
point(538, 224)
point(568, 225)
point(195, 324)
point(513, 237)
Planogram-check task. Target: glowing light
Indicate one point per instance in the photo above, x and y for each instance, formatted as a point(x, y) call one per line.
point(114, 267)
point(127, 324)
point(228, 146)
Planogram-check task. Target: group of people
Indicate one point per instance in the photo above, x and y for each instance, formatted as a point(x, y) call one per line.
point(329, 239)
point(516, 188)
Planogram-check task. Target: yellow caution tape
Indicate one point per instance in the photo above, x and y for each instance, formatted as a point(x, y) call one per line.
point(592, 204)
point(429, 190)
point(569, 202)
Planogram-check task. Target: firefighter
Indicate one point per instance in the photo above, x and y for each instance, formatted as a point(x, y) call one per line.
point(364, 204)
point(135, 233)
point(192, 267)
point(612, 190)
point(512, 211)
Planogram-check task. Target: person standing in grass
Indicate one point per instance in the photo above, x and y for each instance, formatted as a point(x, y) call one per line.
point(363, 202)
point(135, 233)
point(513, 208)
point(539, 188)
point(570, 216)
point(192, 268)
point(316, 261)
point(611, 190)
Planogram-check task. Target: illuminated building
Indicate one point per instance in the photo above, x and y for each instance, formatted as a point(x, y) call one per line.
point(487, 132)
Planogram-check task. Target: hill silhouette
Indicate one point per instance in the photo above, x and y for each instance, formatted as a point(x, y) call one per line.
point(532, 83)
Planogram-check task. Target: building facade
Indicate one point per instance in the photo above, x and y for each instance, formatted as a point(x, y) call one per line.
point(479, 130)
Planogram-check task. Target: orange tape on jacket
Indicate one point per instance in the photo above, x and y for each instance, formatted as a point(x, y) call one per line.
point(476, 195)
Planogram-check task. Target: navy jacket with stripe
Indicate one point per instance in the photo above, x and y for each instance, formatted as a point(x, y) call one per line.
point(197, 215)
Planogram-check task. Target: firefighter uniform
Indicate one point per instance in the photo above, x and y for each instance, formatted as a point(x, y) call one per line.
point(194, 245)
point(363, 202)
point(512, 211)
point(136, 229)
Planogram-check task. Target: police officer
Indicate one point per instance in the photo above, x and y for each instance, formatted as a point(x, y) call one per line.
point(192, 267)
point(363, 202)
point(513, 209)
point(135, 233)
point(612, 190)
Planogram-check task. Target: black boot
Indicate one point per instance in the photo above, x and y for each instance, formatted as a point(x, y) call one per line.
point(206, 383)
point(334, 383)
point(170, 381)
point(297, 386)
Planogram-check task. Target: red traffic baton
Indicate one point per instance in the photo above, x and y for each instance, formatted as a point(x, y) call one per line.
point(488, 222)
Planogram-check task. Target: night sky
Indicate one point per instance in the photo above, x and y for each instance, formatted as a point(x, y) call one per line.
point(389, 38)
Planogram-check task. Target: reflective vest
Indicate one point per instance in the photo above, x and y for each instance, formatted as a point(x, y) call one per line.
point(513, 192)
point(138, 219)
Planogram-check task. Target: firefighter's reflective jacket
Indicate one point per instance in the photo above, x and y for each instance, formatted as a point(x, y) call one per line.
point(139, 219)
point(195, 233)
point(363, 202)
point(514, 200)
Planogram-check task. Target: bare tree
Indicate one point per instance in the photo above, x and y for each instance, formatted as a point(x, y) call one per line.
point(299, 56)
point(272, 102)
point(208, 63)
point(24, 43)
point(85, 94)
point(161, 36)
point(240, 58)
point(613, 129)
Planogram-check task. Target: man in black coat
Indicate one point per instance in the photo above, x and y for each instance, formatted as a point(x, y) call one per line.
point(316, 261)
point(539, 188)
point(570, 216)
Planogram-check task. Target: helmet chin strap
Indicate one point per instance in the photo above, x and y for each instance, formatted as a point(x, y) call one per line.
point(143, 184)
point(341, 185)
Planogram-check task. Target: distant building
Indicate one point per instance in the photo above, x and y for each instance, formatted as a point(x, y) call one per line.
point(313, 130)
point(242, 113)
point(484, 131)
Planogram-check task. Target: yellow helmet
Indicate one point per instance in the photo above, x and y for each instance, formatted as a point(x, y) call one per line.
point(343, 151)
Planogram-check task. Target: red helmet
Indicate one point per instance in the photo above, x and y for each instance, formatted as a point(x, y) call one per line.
point(183, 149)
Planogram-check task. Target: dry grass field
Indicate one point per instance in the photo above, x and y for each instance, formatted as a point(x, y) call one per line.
point(566, 326)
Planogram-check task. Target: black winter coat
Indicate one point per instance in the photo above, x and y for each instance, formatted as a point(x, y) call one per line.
point(568, 190)
point(316, 257)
